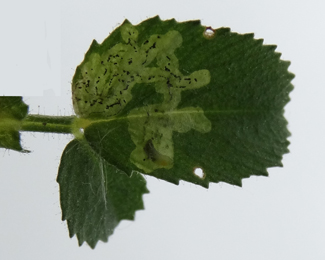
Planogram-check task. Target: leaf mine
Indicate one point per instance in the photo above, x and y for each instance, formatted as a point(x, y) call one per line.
point(105, 86)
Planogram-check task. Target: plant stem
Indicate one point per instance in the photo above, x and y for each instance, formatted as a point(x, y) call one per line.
point(48, 124)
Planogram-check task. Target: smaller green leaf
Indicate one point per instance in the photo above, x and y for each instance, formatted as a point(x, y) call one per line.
point(12, 112)
point(95, 196)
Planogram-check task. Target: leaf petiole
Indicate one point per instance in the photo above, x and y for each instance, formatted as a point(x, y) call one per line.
point(49, 124)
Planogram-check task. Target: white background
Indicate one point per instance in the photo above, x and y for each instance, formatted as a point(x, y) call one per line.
point(279, 217)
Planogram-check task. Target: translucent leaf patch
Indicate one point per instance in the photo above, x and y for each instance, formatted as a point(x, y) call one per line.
point(105, 87)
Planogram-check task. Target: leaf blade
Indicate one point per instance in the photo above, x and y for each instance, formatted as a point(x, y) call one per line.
point(12, 112)
point(94, 195)
point(244, 101)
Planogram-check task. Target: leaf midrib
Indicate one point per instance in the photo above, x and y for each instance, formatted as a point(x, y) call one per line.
point(84, 122)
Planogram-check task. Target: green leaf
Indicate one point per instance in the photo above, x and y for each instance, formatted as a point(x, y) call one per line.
point(165, 98)
point(95, 195)
point(12, 112)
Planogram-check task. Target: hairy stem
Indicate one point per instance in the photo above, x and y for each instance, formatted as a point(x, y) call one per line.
point(49, 124)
